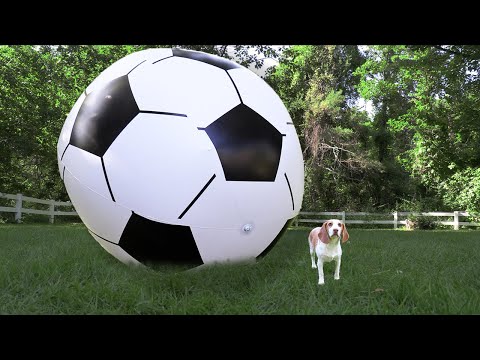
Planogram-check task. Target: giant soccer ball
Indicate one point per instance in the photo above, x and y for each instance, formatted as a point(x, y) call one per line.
point(181, 157)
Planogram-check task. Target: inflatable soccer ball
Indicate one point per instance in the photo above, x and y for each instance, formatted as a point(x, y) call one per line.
point(176, 156)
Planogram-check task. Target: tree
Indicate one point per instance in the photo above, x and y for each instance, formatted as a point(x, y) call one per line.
point(433, 113)
point(317, 84)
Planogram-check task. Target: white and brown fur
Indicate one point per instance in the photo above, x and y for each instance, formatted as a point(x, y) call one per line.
point(325, 242)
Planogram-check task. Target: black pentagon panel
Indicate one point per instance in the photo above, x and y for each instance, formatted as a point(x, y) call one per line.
point(272, 244)
point(103, 115)
point(249, 147)
point(214, 60)
point(157, 243)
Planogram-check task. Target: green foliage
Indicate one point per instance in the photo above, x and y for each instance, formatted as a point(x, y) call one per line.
point(428, 105)
point(462, 190)
point(345, 152)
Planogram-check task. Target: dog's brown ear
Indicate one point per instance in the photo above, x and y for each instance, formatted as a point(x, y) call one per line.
point(345, 235)
point(323, 235)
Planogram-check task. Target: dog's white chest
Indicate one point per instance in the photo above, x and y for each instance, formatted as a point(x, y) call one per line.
point(329, 252)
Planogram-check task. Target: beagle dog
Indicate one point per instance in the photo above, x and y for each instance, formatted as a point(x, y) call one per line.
point(325, 242)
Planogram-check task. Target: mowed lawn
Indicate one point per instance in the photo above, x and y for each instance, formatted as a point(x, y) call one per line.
point(60, 269)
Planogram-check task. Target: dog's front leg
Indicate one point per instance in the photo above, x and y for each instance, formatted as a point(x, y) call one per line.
point(312, 256)
point(338, 261)
point(321, 280)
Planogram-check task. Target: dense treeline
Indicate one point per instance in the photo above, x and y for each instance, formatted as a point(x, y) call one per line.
point(419, 148)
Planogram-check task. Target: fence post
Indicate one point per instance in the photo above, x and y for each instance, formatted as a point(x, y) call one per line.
point(18, 208)
point(395, 220)
point(52, 211)
point(343, 217)
point(455, 220)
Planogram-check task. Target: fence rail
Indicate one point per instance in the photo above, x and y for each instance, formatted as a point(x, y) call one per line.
point(305, 217)
point(19, 208)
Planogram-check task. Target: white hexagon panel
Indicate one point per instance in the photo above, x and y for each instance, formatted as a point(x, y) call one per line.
point(178, 156)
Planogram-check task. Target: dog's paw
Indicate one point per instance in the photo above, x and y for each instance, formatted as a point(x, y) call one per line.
point(336, 277)
point(314, 266)
point(321, 282)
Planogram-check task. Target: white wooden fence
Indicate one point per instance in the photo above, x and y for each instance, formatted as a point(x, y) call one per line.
point(20, 201)
point(305, 217)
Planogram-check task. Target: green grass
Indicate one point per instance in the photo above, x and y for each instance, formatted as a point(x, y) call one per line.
point(60, 269)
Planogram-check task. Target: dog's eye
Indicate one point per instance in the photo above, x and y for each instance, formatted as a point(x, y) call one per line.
point(330, 224)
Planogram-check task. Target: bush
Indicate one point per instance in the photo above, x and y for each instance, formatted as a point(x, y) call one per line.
point(422, 222)
point(426, 223)
point(462, 190)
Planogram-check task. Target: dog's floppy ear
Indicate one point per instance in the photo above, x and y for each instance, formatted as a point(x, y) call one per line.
point(345, 235)
point(323, 235)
